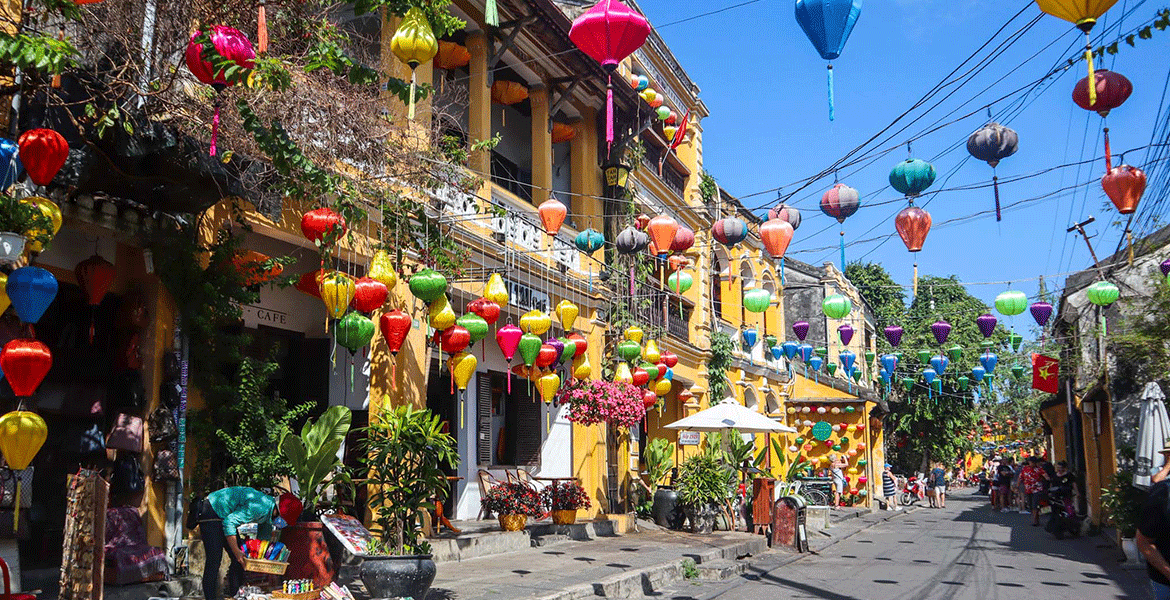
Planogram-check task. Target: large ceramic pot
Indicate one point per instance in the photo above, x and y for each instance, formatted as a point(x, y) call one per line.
point(666, 510)
point(513, 522)
point(702, 518)
point(564, 517)
point(398, 576)
point(1133, 557)
point(308, 556)
point(11, 246)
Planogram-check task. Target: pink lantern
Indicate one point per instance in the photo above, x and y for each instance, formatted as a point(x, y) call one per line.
point(231, 44)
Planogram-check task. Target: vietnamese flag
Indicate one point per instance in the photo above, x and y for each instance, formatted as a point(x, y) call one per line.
point(1045, 374)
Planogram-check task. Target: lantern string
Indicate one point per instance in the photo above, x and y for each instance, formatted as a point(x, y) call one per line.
point(410, 111)
point(832, 102)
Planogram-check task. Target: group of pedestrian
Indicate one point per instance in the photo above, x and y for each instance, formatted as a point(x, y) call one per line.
point(1029, 485)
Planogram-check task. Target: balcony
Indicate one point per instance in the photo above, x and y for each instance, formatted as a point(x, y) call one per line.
point(653, 300)
point(673, 180)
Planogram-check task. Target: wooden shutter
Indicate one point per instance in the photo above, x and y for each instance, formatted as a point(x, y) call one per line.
point(529, 424)
point(483, 412)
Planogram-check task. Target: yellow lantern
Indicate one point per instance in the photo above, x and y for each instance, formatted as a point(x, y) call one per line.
point(852, 470)
point(535, 322)
point(851, 428)
point(547, 386)
point(634, 334)
point(462, 367)
point(5, 301)
point(336, 292)
point(791, 410)
point(567, 312)
point(622, 373)
point(414, 44)
point(382, 269)
point(835, 410)
point(22, 433)
point(581, 368)
point(51, 211)
point(651, 353)
point(662, 386)
point(496, 291)
point(440, 313)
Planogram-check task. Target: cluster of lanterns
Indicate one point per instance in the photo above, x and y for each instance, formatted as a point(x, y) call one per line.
point(674, 127)
point(835, 307)
point(844, 437)
point(654, 373)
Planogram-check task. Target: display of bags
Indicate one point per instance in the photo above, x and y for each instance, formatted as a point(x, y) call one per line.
point(162, 426)
point(126, 434)
point(128, 477)
point(166, 466)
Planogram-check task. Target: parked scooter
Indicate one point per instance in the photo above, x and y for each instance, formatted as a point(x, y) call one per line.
point(913, 491)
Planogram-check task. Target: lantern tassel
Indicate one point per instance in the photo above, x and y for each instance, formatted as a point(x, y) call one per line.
point(462, 409)
point(60, 37)
point(995, 185)
point(609, 116)
point(509, 378)
point(394, 374)
point(1108, 153)
point(1129, 242)
point(410, 112)
point(782, 282)
point(16, 507)
point(842, 250)
point(832, 101)
point(1092, 81)
point(262, 28)
point(215, 128)
point(491, 14)
point(915, 280)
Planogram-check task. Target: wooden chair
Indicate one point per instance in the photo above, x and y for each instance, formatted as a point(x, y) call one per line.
point(486, 481)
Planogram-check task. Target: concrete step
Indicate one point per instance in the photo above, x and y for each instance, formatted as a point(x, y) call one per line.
point(719, 570)
point(476, 544)
point(552, 539)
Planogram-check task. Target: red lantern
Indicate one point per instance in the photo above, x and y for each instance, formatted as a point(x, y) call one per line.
point(684, 238)
point(670, 359)
point(642, 221)
point(308, 283)
point(776, 235)
point(582, 343)
point(552, 214)
point(368, 295)
point(1113, 89)
point(487, 310)
point(43, 153)
point(685, 395)
point(316, 224)
point(25, 364)
point(641, 376)
point(454, 339)
point(395, 324)
point(679, 262)
point(1124, 185)
point(662, 230)
point(232, 45)
point(649, 399)
point(94, 275)
point(609, 32)
point(546, 356)
point(913, 224)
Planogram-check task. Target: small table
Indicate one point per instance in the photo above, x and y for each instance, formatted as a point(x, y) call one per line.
point(442, 518)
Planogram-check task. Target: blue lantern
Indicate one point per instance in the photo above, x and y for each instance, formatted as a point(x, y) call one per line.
point(777, 352)
point(885, 375)
point(790, 349)
point(828, 23)
point(889, 363)
point(978, 373)
point(847, 359)
point(989, 360)
point(669, 376)
point(10, 165)
point(589, 241)
point(806, 352)
point(815, 362)
point(749, 338)
point(929, 375)
point(939, 363)
point(32, 290)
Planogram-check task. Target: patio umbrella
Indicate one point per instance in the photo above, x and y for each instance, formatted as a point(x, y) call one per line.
point(730, 414)
point(1153, 430)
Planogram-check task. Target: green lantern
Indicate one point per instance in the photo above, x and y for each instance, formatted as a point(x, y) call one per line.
point(757, 300)
point(850, 409)
point(475, 325)
point(822, 352)
point(771, 341)
point(924, 356)
point(629, 350)
point(1103, 293)
point(821, 431)
point(529, 347)
point(936, 385)
point(862, 462)
point(908, 383)
point(679, 282)
point(987, 344)
point(964, 381)
point(354, 331)
point(869, 356)
point(1017, 371)
point(569, 351)
point(1011, 303)
point(955, 353)
point(836, 306)
point(428, 285)
point(831, 368)
point(1015, 340)
point(857, 375)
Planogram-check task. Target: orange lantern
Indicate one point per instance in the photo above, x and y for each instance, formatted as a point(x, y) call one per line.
point(563, 133)
point(662, 230)
point(552, 215)
point(913, 224)
point(250, 265)
point(508, 92)
point(776, 235)
point(679, 262)
point(1124, 185)
point(452, 55)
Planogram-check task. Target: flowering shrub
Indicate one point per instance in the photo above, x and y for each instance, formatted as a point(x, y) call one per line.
point(596, 401)
point(568, 495)
point(513, 499)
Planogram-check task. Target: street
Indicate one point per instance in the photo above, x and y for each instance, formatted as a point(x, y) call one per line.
point(964, 552)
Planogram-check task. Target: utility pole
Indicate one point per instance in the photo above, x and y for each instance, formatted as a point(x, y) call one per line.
point(1080, 228)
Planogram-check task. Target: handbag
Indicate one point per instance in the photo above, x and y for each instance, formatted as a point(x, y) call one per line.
point(162, 426)
point(8, 480)
point(166, 465)
point(126, 433)
point(128, 477)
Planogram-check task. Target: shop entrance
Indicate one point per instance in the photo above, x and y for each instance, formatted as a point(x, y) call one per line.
point(443, 401)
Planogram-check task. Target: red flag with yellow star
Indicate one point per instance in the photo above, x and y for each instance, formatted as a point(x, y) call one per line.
point(1045, 373)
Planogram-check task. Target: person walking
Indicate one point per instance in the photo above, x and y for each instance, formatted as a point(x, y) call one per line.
point(1153, 532)
point(838, 465)
point(890, 488)
point(220, 518)
point(1032, 478)
point(938, 482)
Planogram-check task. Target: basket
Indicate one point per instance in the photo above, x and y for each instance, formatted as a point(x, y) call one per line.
point(310, 595)
point(269, 567)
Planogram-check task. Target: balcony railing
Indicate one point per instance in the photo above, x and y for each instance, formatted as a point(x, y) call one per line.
point(653, 301)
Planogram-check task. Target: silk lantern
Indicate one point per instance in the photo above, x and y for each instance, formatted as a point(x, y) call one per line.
point(414, 43)
point(440, 314)
point(1101, 293)
point(912, 177)
point(51, 212)
point(529, 347)
point(552, 215)
point(757, 300)
point(776, 236)
point(252, 266)
point(454, 339)
point(368, 295)
point(1011, 303)
point(941, 330)
point(634, 334)
point(828, 23)
point(323, 226)
point(913, 225)
point(609, 32)
point(395, 324)
point(428, 285)
point(25, 364)
point(622, 374)
point(986, 323)
point(309, 283)
point(651, 353)
point(43, 153)
point(337, 290)
point(31, 290)
point(452, 55)
point(800, 328)
point(893, 335)
point(535, 322)
point(840, 202)
point(567, 313)
point(684, 238)
point(845, 332)
point(496, 291)
point(662, 230)
point(230, 44)
point(462, 366)
point(1112, 89)
point(631, 241)
point(382, 269)
point(729, 231)
point(1041, 312)
point(547, 386)
point(836, 306)
point(563, 133)
point(680, 282)
point(1083, 14)
point(1124, 185)
point(476, 326)
point(581, 367)
point(94, 276)
point(508, 339)
point(991, 144)
point(582, 343)
point(22, 433)
point(790, 214)
point(10, 167)
point(589, 241)
point(5, 302)
point(354, 331)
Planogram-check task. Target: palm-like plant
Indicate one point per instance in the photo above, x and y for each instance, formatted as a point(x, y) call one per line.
point(313, 455)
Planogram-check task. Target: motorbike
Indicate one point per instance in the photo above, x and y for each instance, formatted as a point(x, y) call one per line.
point(913, 491)
point(1064, 519)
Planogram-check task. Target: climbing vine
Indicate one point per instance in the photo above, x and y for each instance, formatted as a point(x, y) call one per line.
point(721, 357)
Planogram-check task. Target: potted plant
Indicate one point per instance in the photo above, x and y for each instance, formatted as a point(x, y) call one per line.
point(704, 484)
point(659, 457)
point(21, 221)
point(1122, 502)
point(563, 500)
point(404, 457)
point(514, 503)
point(313, 456)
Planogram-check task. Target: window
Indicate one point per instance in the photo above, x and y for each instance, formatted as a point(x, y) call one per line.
point(509, 423)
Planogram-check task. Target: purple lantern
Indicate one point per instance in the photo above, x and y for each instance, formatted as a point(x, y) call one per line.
point(986, 323)
point(557, 345)
point(1042, 311)
point(941, 330)
point(800, 328)
point(846, 332)
point(894, 335)
point(1165, 266)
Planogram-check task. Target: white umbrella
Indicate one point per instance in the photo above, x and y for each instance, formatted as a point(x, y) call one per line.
point(730, 414)
point(1153, 430)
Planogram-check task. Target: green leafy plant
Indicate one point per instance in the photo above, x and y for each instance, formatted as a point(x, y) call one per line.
point(509, 498)
point(566, 495)
point(1122, 502)
point(313, 455)
point(405, 452)
point(24, 218)
point(704, 479)
point(721, 356)
point(442, 22)
point(707, 187)
point(690, 569)
point(659, 456)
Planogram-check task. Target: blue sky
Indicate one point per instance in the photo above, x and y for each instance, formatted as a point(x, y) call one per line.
point(765, 87)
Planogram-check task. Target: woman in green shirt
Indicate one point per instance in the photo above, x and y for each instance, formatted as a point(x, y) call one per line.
point(223, 513)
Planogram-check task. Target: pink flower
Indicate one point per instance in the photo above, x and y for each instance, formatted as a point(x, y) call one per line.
point(596, 401)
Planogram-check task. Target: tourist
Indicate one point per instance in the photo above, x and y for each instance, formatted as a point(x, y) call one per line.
point(1032, 478)
point(1004, 475)
point(890, 488)
point(1153, 535)
point(838, 466)
point(936, 484)
point(222, 514)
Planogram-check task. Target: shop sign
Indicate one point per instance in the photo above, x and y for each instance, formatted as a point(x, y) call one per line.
point(688, 438)
point(526, 298)
point(260, 315)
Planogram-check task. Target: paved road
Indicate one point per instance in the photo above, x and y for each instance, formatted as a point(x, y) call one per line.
point(965, 553)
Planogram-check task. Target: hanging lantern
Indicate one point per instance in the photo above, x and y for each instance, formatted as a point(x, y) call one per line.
point(1101, 293)
point(640, 376)
point(662, 229)
point(233, 46)
point(912, 177)
point(1011, 303)
point(22, 433)
point(662, 112)
point(94, 276)
point(337, 291)
point(986, 323)
point(547, 385)
point(454, 339)
point(941, 330)
point(368, 295)
point(581, 368)
point(495, 291)
point(508, 338)
point(440, 314)
point(836, 306)
point(452, 55)
point(395, 324)
point(893, 335)
point(1041, 312)
point(382, 269)
point(800, 328)
point(1112, 90)
point(429, 285)
point(529, 348)
point(508, 92)
point(669, 131)
point(562, 133)
point(354, 332)
point(991, 144)
point(309, 283)
point(622, 374)
point(684, 238)
point(43, 153)
point(757, 300)
point(552, 214)
point(51, 212)
point(847, 358)
point(845, 332)
point(1083, 14)
point(535, 322)
point(25, 364)
point(631, 241)
point(476, 326)
point(634, 334)
point(790, 214)
point(462, 366)
point(589, 241)
point(988, 360)
point(323, 226)
point(1124, 185)
point(776, 236)
point(31, 290)
point(828, 23)
point(840, 202)
point(629, 350)
point(913, 225)
point(651, 353)
point(567, 313)
point(680, 282)
point(939, 364)
point(582, 344)
point(609, 32)
point(10, 167)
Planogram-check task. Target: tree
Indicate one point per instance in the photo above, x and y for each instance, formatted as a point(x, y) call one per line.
point(884, 296)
